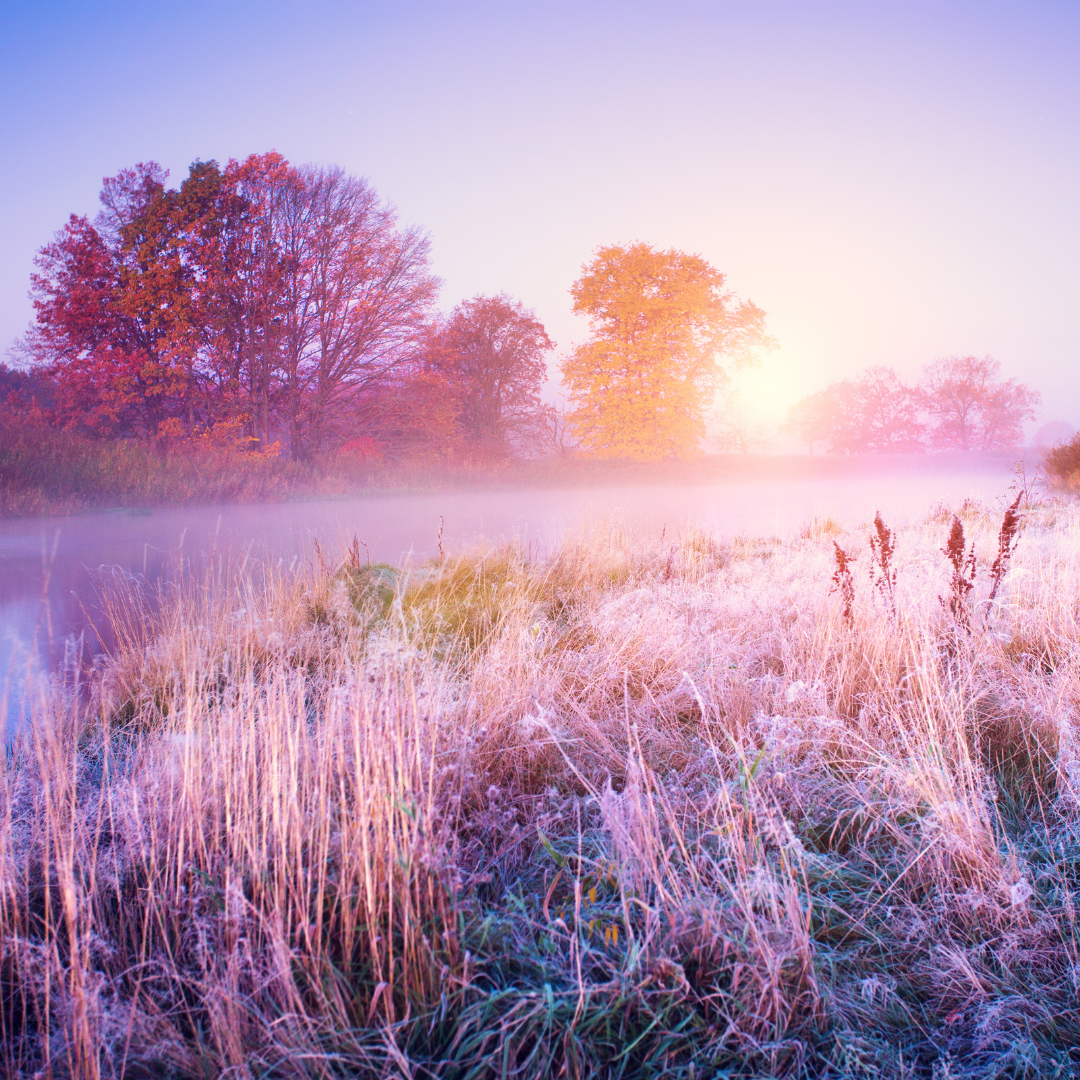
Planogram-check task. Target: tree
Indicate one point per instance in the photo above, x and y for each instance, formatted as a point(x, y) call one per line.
point(26, 393)
point(144, 227)
point(560, 439)
point(411, 414)
point(491, 351)
point(360, 292)
point(1052, 433)
point(109, 310)
point(236, 218)
point(258, 294)
point(873, 414)
point(970, 408)
point(883, 415)
point(73, 296)
point(312, 293)
point(817, 418)
point(661, 323)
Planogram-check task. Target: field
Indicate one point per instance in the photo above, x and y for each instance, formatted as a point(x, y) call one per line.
point(693, 809)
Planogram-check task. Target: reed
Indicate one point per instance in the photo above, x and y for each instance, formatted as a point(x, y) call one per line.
point(46, 470)
point(616, 810)
point(882, 572)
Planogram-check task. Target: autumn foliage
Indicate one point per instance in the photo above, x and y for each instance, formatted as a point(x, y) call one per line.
point(282, 310)
point(489, 354)
point(283, 307)
point(661, 325)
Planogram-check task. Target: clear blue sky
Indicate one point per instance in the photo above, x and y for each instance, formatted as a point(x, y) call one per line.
point(891, 182)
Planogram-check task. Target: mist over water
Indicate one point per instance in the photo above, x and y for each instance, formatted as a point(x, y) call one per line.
point(52, 570)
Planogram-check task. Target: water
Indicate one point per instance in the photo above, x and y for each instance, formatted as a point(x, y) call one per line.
point(52, 569)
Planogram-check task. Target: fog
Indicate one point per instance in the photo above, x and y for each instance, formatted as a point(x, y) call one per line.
point(52, 570)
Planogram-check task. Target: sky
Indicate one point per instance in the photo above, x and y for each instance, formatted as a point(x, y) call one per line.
point(890, 182)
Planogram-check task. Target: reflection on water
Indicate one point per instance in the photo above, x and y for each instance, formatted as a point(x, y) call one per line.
point(51, 569)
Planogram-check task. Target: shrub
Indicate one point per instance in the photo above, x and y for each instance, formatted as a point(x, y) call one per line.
point(1062, 463)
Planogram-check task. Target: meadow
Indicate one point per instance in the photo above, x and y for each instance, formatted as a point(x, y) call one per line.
point(622, 809)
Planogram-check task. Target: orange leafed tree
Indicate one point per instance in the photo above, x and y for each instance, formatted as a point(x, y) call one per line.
point(662, 325)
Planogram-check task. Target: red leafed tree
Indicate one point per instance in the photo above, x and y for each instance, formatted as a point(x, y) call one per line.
point(875, 413)
point(970, 408)
point(112, 322)
point(77, 324)
point(491, 353)
point(232, 238)
point(269, 296)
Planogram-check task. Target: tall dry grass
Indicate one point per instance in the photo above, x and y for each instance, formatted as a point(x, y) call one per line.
point(618, 810)
point(46, 470)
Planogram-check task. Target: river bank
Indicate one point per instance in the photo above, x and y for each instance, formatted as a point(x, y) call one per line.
point(622, 808)
point(47, 472)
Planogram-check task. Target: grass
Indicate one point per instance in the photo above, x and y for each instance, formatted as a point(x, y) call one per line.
point(44, 470)
point(48, 471)
point(617, 810)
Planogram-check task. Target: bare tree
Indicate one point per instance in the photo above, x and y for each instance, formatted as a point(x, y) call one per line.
point(734, 430)
point(560, 440)
point(360, 291)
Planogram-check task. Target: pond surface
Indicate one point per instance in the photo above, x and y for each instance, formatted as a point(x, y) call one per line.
point(52, 569)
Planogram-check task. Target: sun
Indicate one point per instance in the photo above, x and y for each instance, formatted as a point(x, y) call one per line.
point(768, 391)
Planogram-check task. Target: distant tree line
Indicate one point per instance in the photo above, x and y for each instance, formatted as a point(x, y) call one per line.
point(284, 308)
point(960, 403)
point(283, 304)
